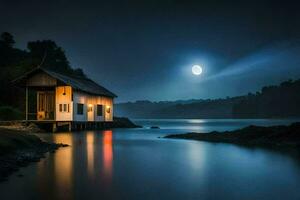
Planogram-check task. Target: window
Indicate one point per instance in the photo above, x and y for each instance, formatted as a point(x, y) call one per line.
point(79, 109)
point(41, 102)
point(64, 108)
point(99, 110)
point(90, 108)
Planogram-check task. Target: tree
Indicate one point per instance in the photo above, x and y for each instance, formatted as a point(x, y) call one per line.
point(47, 54)
point(79, 72)
point(7, 39)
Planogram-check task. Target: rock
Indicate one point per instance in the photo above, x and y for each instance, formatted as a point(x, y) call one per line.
point(62, 145)
point(123, 122)
point(251, 135)
point(21, 126)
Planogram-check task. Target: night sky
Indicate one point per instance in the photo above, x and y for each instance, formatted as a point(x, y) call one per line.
point(145, 49)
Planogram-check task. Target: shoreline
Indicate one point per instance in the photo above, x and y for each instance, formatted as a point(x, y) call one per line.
point(124, 122)
point(32, 127)
point(20, 148)
point(287, 136)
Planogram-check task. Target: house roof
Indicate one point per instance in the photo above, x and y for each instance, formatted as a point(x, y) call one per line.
point(77, 83)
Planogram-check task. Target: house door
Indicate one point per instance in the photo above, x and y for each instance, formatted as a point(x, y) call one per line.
point(90, 112)
point(45, 105)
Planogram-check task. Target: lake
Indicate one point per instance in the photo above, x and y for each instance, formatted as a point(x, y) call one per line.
point(136, 164)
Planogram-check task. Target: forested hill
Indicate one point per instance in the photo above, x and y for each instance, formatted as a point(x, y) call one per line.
point(15, 62)
point(281, 101)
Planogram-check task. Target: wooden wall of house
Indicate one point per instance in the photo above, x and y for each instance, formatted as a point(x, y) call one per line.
point(41, 79)
point(92, 101)
point(63, 103)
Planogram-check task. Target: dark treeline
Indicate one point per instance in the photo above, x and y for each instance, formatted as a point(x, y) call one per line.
point(14, 62)
point(281, 101)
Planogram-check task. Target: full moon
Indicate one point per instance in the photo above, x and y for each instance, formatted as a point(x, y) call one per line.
point(197, 70)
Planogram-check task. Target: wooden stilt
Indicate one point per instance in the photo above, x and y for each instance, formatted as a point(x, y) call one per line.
point(70, 126)
point(54, 129)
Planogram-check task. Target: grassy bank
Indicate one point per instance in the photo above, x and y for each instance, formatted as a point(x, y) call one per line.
point(251, 135)
point(19, 148)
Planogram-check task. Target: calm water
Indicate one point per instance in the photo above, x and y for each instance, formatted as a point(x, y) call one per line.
point(136, 164)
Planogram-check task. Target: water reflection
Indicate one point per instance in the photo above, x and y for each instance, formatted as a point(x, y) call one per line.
point(63, 165)
point(107, 153)
point(136, 164)
point(195, 121)
point(196, 155)
point(90, 148)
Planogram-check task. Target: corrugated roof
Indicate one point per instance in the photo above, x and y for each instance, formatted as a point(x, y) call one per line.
point(77, 83)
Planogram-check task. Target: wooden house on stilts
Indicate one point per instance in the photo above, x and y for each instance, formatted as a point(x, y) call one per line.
point(63, 100)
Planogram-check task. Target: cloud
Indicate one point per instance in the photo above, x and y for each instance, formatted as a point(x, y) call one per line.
point(280, 57)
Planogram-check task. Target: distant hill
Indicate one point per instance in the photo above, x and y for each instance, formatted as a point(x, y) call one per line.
point(281, 101)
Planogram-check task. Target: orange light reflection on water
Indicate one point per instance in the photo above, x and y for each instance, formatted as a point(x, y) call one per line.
point(107, 153)
point(63, 164)
point(90, 152)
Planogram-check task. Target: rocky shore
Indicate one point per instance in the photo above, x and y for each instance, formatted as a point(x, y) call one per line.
point(19, 148)
point(20, 125)
point(123, 122)
point(251, 135)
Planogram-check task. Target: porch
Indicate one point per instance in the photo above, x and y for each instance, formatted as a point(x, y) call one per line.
point(40, 104)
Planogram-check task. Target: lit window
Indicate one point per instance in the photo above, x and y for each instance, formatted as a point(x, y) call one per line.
point(90, 108)
point(64, 108)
